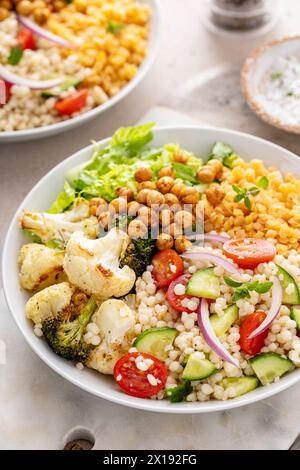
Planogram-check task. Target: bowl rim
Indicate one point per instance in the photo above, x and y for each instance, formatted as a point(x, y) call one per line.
point(162, 406)
point(63, 126)
point(250, 97)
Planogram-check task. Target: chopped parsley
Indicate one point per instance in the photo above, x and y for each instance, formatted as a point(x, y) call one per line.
point(180, 392)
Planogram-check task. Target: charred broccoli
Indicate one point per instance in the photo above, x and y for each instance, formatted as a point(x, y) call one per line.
point(139, 254)
point(65, 335)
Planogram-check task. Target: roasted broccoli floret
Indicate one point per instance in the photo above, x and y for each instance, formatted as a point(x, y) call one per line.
point(64, 334)
point(139, 254)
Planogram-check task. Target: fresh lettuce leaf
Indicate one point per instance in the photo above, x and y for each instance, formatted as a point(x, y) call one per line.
point(63, 200)
point(223, 152)
point(132, 139)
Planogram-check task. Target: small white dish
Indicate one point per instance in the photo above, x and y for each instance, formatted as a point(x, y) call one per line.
point(198, 140)
point(253, 73)
point(47, 131)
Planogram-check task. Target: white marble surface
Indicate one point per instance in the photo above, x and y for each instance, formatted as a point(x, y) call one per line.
point(37, 407)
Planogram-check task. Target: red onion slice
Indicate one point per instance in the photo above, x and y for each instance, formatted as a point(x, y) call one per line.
point(11, 77)
point(274, 309)
point(210, 336)
point(44, 33)
point(209, 237)
point(215, 259)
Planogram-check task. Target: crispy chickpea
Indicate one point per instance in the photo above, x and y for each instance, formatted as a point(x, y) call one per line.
point(6, 4)
point(167, 171)
point(104, 219)
point(155, 197)
point(177, 188)
point(142, 196)
point(184, 219)
point(189, 195)
point(171, 199)
point(164, 241)
point(214, 194)
point(24, 7)
point(143, 174)
point(133, 207)
point(127, 193)
point(180, 157)
point(164, 184)
point(205, 175)
point(182, 244)
point(147, 185)
point(137, 229)
point(174, 230)
point(41, 15)
point(166, 217)
point(198, 210)
point(217, 167)
point(4, 13)
point(118, 205)
point(95, 203)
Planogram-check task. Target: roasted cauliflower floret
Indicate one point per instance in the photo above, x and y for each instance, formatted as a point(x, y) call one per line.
point(93, 265)
point(115, 321)
point(49, 302)
point(40, 266)
point(60, 226)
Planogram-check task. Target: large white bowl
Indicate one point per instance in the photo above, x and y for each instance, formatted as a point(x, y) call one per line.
point(46, 131)
point(198, 140)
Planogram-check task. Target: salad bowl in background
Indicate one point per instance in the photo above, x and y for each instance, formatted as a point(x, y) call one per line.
point(196, 139)
point(47, 131)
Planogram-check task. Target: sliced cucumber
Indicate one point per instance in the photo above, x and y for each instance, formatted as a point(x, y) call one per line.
point(294, 297)
point(204, 283)
point(269, 366)
point(223, 323)
point(185, 359)
point(295, 315)
point(241, 385)
point(197, 368)
point(155, 340)
point(65, 86)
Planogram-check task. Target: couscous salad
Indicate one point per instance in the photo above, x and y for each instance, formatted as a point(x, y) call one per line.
point(177, 275)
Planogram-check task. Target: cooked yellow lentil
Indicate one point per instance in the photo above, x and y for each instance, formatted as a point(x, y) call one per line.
point(274, 213)
point(112, 36)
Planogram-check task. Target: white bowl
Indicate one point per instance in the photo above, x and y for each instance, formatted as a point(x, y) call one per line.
point(253, 72)
point(196, 139)
point(46, 131)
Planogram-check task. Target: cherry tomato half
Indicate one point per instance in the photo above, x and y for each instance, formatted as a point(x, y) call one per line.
point(26, 39)
point(249, 252)
point(73, 103)
point(7, 93)
point(254, 345)
point(174, 299)
point(134, 381)
point(167, 266)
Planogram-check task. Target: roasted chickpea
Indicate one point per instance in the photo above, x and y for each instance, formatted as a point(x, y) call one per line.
point(6, 4)
point(105, 220)
point(177, 188)
point(79, 298)
point(137, 229)
point(41, 15)
point(24, 7)
point(174, 230)
point(182, 244)
point(4, 13)
point(164, 241)
point(147, 185)
point(127, 193)
point(217, 167)
point(214, 194)
point(205, 175)
point(171, 199)
point(142, 196)
point(143, 174)
point(198, 210)
point(166, 217)
point(95, 203)
point(155, 198)
point(180, 157)
point(118, 205)
point(133, 207)
point(164, 184)
point(184, 219)
point(189, 195)
point(167, 171)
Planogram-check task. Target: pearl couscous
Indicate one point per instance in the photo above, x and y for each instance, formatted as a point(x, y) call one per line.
point(110, 43)
point(211, 318)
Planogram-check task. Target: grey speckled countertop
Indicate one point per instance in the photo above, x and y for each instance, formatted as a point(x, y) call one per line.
point(37, 407)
